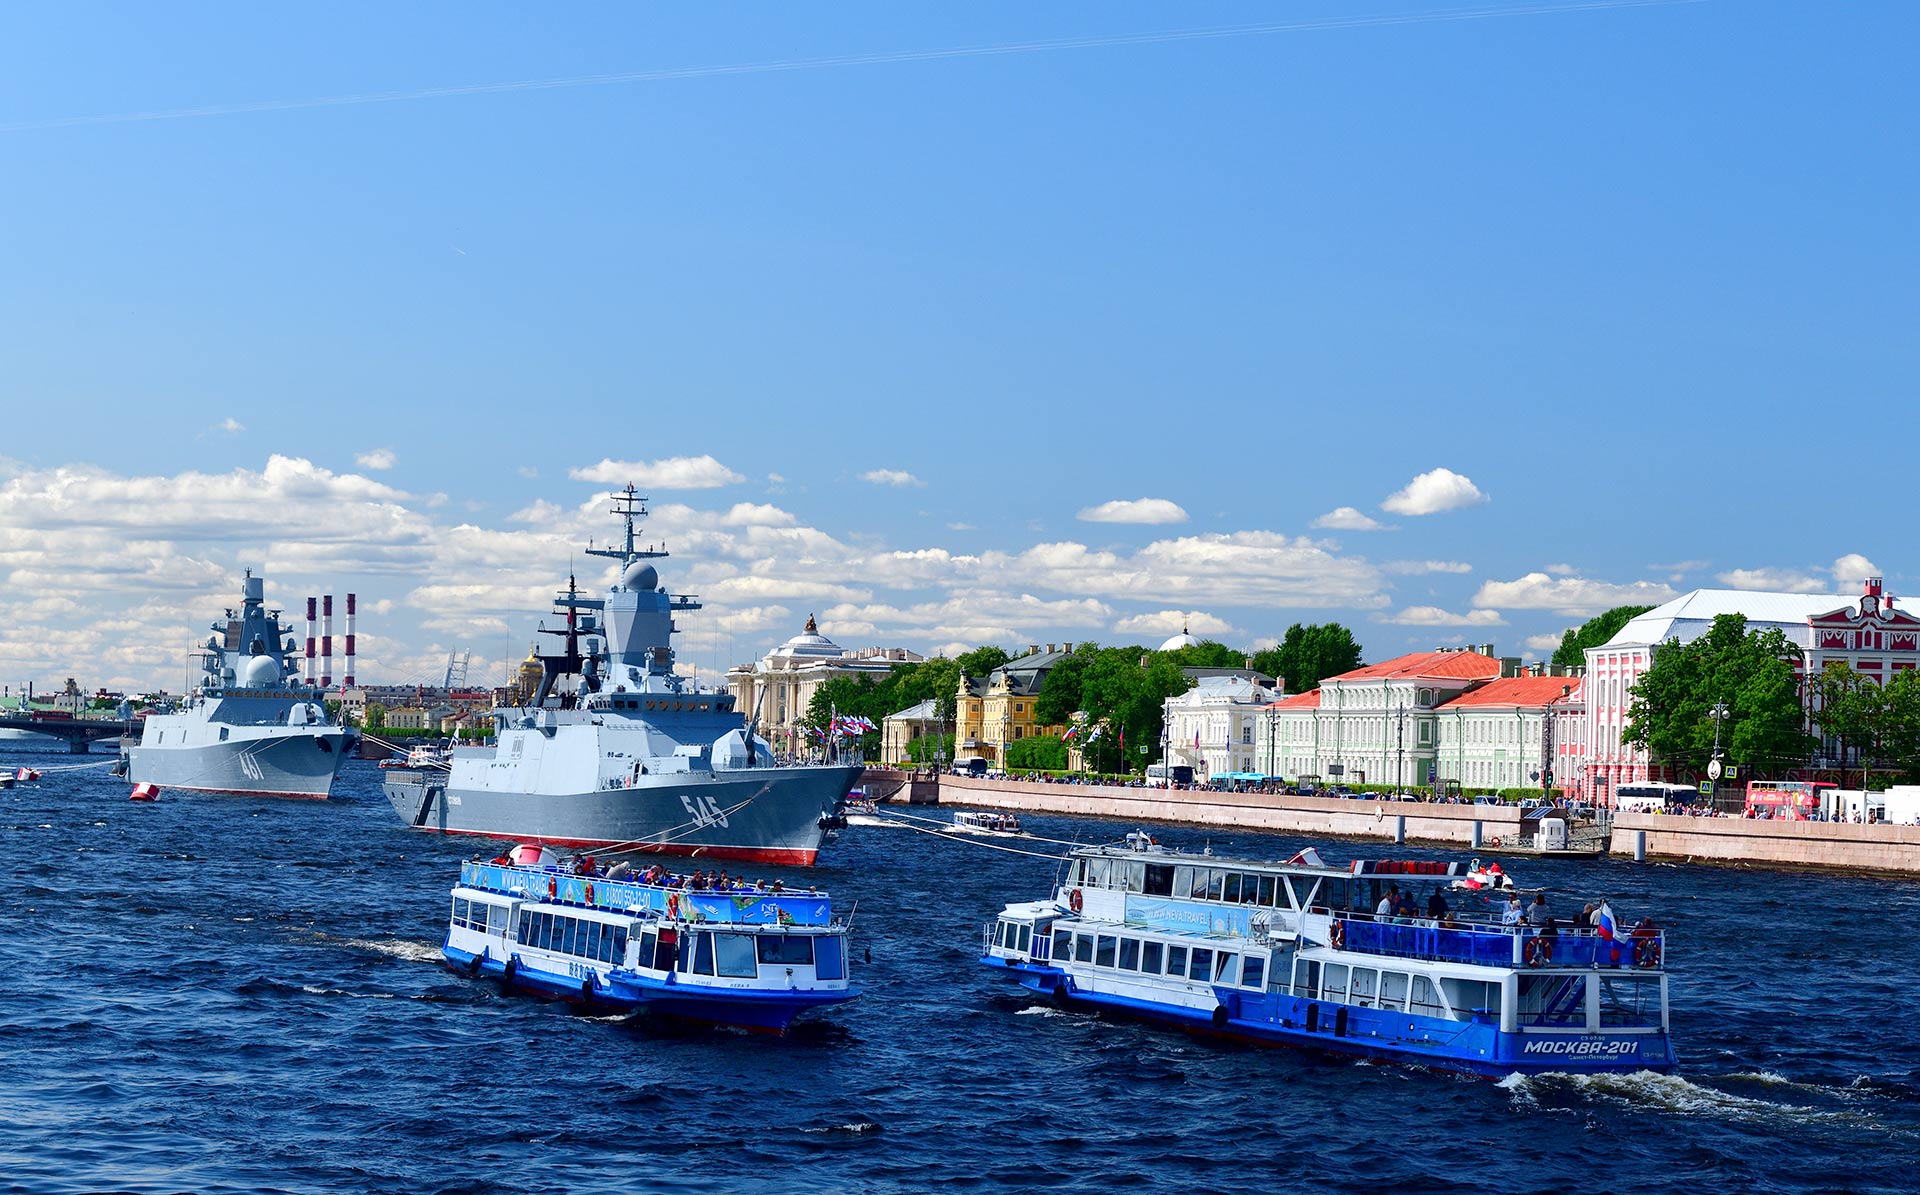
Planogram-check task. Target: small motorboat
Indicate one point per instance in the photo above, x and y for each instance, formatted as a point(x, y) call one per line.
point(1488, 878)
point(144, 792)
point(971, 821)
point(26, 774)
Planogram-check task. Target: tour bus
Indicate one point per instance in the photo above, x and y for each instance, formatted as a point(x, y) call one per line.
point(1653, 796)
point(1158, 774)
point(1796, 800)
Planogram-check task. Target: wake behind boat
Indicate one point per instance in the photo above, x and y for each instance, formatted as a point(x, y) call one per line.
point(251, 726)
point(617, 750)
point(1295, 954)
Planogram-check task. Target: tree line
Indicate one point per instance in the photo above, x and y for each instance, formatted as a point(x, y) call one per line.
point(1123, 688)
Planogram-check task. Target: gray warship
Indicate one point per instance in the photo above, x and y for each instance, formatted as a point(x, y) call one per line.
point(250, 726)
point(618, 752)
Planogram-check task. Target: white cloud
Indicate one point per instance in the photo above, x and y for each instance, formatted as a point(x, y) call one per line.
point(1171, 622)
point(1568, 595)
point(960, 527)
point(1433, 492)
point(1138, 510)
point(1850, 570)
point(1348, 518)
point(757, 514)
point(377, 459)
point(1562, 570)
point(1242, 568)
point(539, 513)
point(1544, 642)
point(232, 426)
point(1434, 616)
point(1417, 567)
point(890, 477)
point(528, 472)
point(671, 473)
point(1771, 580)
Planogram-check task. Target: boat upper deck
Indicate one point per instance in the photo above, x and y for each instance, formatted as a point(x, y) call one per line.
point(673, 896)
point(1489, 944)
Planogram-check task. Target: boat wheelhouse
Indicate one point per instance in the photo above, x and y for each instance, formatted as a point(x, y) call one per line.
point(748, 956)
point(1291, 954)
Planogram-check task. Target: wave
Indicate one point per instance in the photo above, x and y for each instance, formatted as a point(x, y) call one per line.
point(399, 948)
point(1650, 1091)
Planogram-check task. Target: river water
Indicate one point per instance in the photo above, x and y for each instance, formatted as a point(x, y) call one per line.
point(218, 994)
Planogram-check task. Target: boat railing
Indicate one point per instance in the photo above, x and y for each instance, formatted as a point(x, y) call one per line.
point(739, 906)
point(1499, 945)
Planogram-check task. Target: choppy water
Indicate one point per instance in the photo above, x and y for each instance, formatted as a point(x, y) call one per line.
point(230, 994)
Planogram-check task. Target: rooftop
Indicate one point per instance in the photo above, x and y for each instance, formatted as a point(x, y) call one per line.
point(1691, 614)
point(1435, 665)
point(1527, 692)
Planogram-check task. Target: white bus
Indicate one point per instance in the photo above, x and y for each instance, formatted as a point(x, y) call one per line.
point(1652, 796)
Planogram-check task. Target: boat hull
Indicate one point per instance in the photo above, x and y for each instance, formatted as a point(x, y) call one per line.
point(762, 815)
point(756, 1011)
point(291, 763)
point(1478, 1049)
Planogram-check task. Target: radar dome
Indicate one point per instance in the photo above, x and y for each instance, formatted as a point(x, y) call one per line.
point(640, 575)
point(260, 671)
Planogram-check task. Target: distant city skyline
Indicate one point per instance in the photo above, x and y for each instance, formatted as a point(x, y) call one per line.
point(1014, 326)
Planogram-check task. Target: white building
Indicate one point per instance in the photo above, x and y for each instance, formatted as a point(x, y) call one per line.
point(1867, 633)
point(899, 731)
point(1377, 724)
point(1212, 727)
point(781, 684)
point(1496, 735)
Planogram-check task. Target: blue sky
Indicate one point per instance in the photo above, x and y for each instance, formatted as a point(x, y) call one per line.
point(1638, 278)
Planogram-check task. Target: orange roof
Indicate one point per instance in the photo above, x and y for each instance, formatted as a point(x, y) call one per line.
point(1439, 665)
point(1309, 700)
point(1526, 691)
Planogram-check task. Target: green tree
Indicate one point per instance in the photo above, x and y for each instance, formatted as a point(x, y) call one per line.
point(376, 716)
point(1751, 674)
point(1060, 696)
point(1045, 753)
point(1308, 655)
point(982, 660)
point(1572, 651)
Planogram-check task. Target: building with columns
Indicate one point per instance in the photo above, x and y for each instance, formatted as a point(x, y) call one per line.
point(1498, 735)
point(781, 684)
point(1212, 727)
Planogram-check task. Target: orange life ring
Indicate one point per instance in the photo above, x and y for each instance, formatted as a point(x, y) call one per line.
point(1539, 952)
point(1494, 841)
point(1073, 900)
point(1646, 952)
point(1337, 936)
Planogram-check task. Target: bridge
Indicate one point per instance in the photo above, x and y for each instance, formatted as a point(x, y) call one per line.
point(79, 733)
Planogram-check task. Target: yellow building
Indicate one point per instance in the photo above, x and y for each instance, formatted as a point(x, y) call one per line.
point(1001, 709)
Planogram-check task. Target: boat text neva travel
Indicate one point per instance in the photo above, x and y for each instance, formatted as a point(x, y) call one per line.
point(1294, 954)
point(703, 948)
point(251, 726)
point(616, 750)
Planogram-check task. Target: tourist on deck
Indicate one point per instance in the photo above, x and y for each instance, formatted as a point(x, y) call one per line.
point(1537, 914)
point(1437, 903)
point(1384, 910)
point(1585, 919)
point(1513, 914)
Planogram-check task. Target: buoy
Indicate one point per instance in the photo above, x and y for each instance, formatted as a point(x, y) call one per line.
point(144, 792)
point(27, 774)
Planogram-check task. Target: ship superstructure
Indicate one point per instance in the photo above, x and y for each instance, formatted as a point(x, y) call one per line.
point(250, 724)
point(616, 750)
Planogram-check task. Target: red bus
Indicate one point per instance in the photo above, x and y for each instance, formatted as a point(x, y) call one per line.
point(1797, 800)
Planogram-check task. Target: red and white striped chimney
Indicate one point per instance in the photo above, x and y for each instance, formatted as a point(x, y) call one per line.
point(326, 641)
point(349, 658)
point(311, 615)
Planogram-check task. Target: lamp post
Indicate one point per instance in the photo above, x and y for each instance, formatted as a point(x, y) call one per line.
point(1400, 750)
point(1546, 743)
point(1719, 714)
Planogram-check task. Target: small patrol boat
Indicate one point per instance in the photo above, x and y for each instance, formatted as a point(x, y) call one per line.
point(718, 951)
point(1282, 954)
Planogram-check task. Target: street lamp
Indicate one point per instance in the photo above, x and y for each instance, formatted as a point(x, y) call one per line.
point(1719, 714)
point(1400, 750)
point(1546, 743)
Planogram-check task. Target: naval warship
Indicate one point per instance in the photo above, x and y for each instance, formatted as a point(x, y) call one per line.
point(616, 751)
point(249, 726)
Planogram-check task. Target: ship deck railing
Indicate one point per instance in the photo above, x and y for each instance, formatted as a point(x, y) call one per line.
point(736, 906)
point(1494, 945)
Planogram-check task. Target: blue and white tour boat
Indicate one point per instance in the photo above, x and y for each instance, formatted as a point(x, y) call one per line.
point(697, 947)
point(1294, 953)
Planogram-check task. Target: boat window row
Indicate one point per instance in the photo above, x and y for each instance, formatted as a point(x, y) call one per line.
point(1183, 881)
point(1014, 935)
point(739, 955)
point(578, 936)
point(1149, 956)
point(479, 915)
point(1398, 991)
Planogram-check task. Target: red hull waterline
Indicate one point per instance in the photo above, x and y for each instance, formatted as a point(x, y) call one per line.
point(778, 856)
point(249, 792)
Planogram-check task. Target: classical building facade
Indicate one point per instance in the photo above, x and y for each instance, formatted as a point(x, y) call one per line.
point(1213, 727)
point(1867, 633)
point(1000, 708)
point(1374, 725)
point(899, 731)
point(781, 684)
point(1497, 735)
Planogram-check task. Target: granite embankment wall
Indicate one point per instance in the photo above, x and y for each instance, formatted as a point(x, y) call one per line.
point(1452, 825)
point(1838, 846)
